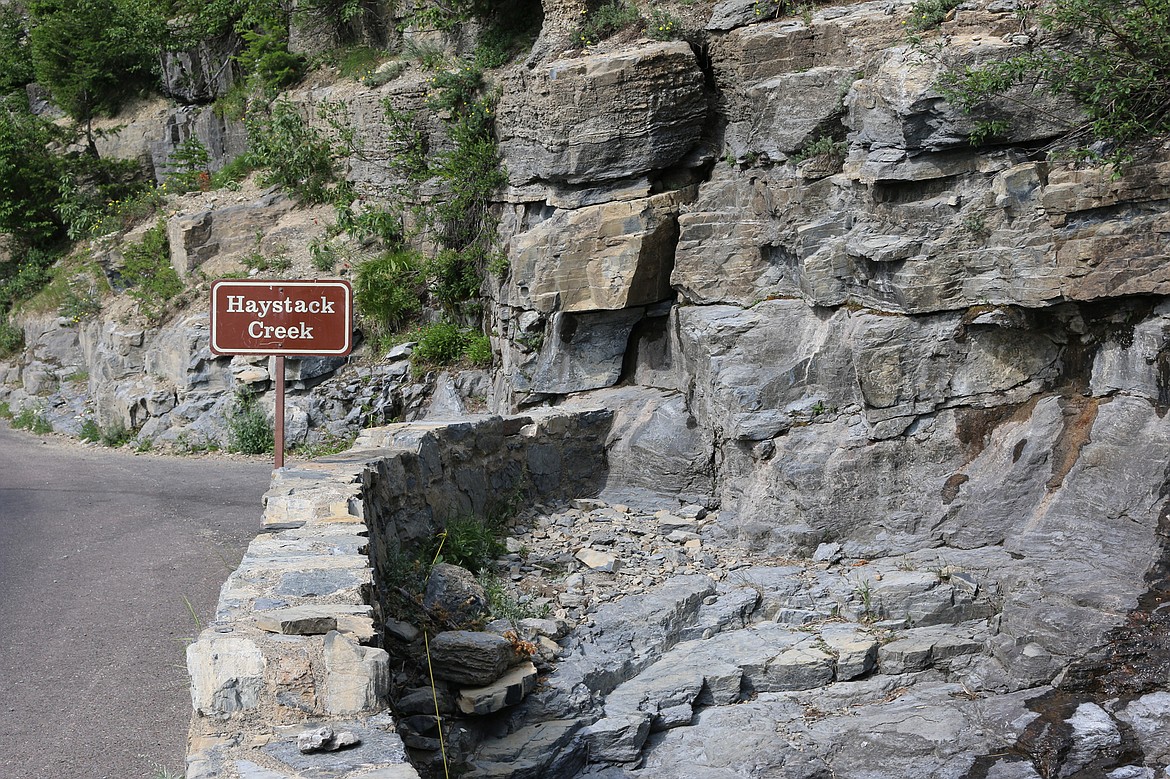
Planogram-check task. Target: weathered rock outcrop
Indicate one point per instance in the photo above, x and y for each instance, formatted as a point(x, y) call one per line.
point(819, 312)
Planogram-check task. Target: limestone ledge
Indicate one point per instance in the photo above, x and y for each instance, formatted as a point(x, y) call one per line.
point(293, 645)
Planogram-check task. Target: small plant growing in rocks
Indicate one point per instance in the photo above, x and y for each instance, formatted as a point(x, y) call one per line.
point(32, 420)
point(248, 429)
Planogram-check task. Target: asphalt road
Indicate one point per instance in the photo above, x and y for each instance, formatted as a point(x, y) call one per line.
point(100, 553)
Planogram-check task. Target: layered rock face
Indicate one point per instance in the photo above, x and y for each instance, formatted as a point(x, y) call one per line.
point(910, 343)
point(820, 312)
point(904, 343)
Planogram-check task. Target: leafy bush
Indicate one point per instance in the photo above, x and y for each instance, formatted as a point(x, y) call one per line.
point(296, 156)
point(115, 436)
point(388, 289)
point(90, 432)
point(606, 19)
point(32, 273)
point(478, 349)
point(235, 170)
point(925, 14)
point(384, 224)
point(663, 26)
point(15, 63)
point(1111, 57)
point(248, 428)
point(441, 343)
point(463, 221)
point(357, 62)
point(11, 339)
point(29, 177)
point(32, 420)
point(81, 302)
point(822, 146)
point(471, 543)
point(148, 274)
point(99, 196)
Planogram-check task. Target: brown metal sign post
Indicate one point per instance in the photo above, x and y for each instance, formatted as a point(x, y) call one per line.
point(280, 318)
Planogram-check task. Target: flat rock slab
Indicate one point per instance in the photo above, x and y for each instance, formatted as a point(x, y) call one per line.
point(470, 657)
point(511, 688)
point(599, 561)
point(618, 739)
point(307, 620)
point(380, 748)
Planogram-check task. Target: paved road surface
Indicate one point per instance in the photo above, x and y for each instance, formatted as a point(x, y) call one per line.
point(100, 551)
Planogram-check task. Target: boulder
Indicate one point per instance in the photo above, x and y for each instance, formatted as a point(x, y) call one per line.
point(357, 678)
point(453, 594)
point(471, 658)
point(611, 256)
point(509, 690)
point(583, 351)
point(604, 116)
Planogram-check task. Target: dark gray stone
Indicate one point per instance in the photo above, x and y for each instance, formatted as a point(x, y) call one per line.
point(453, 595)
point(583, 351)
point(380, 746)
point(322, 582)
point(470, 657)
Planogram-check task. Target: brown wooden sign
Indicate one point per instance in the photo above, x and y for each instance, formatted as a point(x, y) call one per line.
point(310, 317)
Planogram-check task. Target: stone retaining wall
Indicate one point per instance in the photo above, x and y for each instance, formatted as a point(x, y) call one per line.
point(294, 644)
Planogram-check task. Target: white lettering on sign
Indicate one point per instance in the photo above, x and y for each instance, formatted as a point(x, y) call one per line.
point(258, 329)
point(291, 316)
point(237, 305)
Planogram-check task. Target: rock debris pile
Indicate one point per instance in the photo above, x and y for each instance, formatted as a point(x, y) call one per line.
point(665, 654)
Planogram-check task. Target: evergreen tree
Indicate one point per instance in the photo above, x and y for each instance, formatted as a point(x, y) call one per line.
point(15, 67)
point(90, 54)
point(29, 175)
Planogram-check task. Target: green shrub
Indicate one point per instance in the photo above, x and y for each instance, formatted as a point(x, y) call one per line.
point(388, 289)
point(81, 302)
point(323, 255)
point(925, 14)
point(32, 420)
point(296, 157)
point(606, 19)
point(358, 62)
point(115, 436)
point(248, 429)
point(90, 431)
point(234, 171)
point(148, 273)
point(822, 146)
point(384, 224)
point(478, 349)
point(471, 543)
point(15, 65)
point(30, 176)
point(1112, 58)
point(11, 339)
point(442, 343)
point(5, 410)
point(663, 26)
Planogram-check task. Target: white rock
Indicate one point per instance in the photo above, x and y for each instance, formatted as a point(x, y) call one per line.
point(598, 560)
